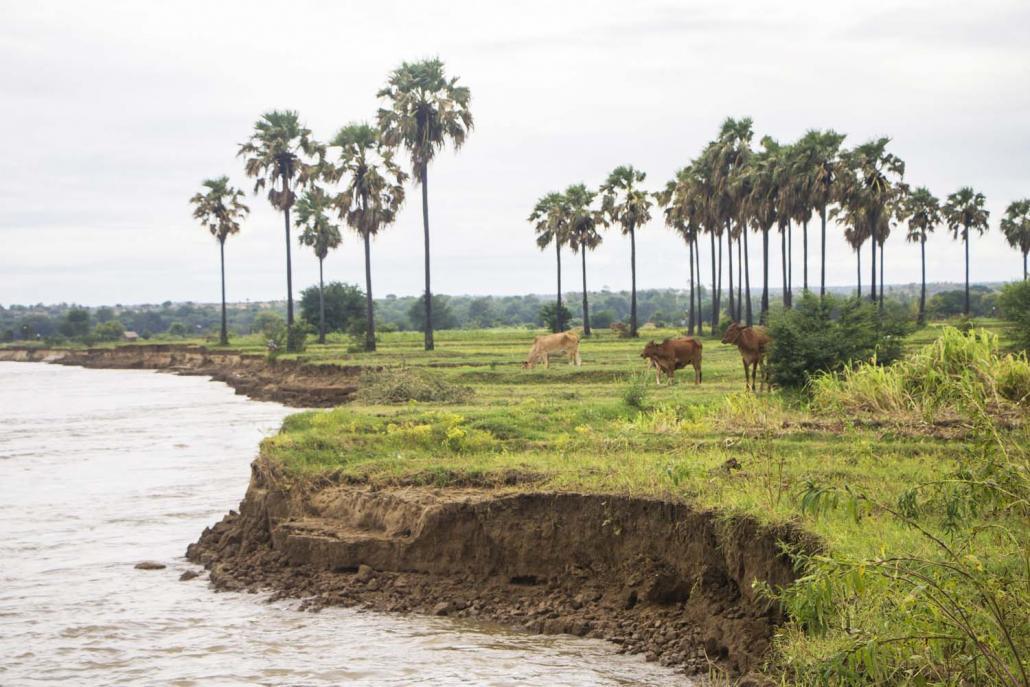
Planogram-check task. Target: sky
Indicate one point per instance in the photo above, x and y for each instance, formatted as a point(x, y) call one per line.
point(112, 113)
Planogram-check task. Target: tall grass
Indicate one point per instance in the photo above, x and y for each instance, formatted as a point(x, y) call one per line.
point(957, 372)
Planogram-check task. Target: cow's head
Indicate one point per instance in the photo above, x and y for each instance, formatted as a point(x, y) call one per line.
point(732, 333)
point(650, 350)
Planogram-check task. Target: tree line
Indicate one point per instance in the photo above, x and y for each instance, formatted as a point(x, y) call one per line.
point(352, 179)
point(733, 189)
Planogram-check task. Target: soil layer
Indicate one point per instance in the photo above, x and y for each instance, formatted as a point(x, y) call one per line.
point(292, 383)
point(652, 576)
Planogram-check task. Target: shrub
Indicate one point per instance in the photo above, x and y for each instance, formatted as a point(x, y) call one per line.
point(636, 391)
point(825, 334)
point(548, 317)
point(111, 330)
point(602, 319)
point(1014, 302)
point(296, 337)
point(401, 385)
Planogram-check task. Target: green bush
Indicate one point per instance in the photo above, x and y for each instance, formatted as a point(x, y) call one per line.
point(825, 334)
point(296, 337)
point(1015, 308)
point(549, 317)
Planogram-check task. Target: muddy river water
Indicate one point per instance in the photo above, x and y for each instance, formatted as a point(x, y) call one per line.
point(102, 469)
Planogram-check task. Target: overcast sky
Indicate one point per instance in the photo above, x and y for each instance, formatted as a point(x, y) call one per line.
point(113, 112)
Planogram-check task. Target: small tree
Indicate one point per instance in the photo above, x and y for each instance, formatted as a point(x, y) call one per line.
point(319, 233)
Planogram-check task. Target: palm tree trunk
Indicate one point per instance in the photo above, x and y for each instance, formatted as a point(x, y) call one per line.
point(763, 316)
point(586, 307)
point(424, 174)
point(289, 268)
point(699, 290)
point(633, 281)
point(729, 266)
point(321, 305)
point(783, 256)
point(740, 279)
point(882, 286)
point(790, 264)
point(822, 268)
point(1024, 265)
point(858, 254)
point(690, 314)
point(967, 270)
point(747, 279)
point(224, 338)
point(922, 290)
point(872, 275)
point(715, 287)
point(804, 247)
point(558, 324)
point(370, 321)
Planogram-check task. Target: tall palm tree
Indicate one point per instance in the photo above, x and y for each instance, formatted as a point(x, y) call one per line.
point(873, 186)
point(275, 155)
point(762, 206)
point(220, 208)
point(626, 204)
point(550, 218)
point(426, 110)
point(732, 180)
point(964, 210)
point(924, 215)
point(321, 234)
point(683, 212)
point(819, 166)
point(583, 234)
point(1016, 227)
point(373, 191)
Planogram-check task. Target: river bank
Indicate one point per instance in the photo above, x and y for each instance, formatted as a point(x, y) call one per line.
point(657, 578)
point(290, 382)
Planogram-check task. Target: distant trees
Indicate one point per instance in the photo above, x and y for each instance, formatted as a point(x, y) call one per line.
point(341, 305)
point(321, 234)
point(220, 208)
point(963, 211)
point(443, 318)
point(425, 110)
point(1016, 228)
point(76, 323)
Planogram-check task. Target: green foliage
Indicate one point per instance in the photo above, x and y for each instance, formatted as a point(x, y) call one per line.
point(268, 323)
point(344, 308)
point(111, 330)
point(982, 302)
point(549, 317)
point(179, 329)
point(1014, 302)
point(296, 337)
point(443, 315)
point(636, 390)
point(602, 319)
point(959, 372)
point(76, 323)
point(402, 385)
point(823, 335)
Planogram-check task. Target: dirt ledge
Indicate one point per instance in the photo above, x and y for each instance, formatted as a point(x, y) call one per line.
point(655, 577)
point(292, 383)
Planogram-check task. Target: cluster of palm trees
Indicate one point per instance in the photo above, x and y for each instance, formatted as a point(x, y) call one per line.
point(732, 189)
point(353, 178)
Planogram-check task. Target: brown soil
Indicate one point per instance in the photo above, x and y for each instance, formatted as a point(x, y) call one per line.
point(297, 384)
point(655, 577)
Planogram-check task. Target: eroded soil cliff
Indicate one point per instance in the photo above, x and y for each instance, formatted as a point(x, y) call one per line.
point(297, 384)
point(655, 577)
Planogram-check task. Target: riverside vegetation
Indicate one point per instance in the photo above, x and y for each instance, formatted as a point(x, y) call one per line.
point(914, 477)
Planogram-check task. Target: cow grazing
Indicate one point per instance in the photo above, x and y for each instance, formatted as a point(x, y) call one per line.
point(752, 343)
point(673, 354)
point(544, 346)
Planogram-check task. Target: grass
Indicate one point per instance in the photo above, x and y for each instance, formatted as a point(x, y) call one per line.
point(605, 427)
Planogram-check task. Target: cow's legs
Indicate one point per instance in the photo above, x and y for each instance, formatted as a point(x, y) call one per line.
point(697, 373)
point(747, 375)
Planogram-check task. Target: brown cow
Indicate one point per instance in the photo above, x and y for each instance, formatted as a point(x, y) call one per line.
point(543, 346)
point(752, 343)
point(674, 354)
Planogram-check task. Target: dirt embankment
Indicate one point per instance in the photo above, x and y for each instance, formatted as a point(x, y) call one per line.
point(655, 577)
point(293, 383)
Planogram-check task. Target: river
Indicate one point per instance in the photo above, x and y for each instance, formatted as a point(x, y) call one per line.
point(102, 469)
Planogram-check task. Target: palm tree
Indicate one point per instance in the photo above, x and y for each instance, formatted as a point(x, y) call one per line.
point(964, 210)
point(426, 111)
point(220, 208)
point(321, 234)
point(762, 206)
point(874, 187)
point(626, 204)
point(819, 166)
point(551, 221)
point(373, 191)
point(733, 155)
point(274, 155)
point(583, 234)
point(683, 210)
point(924, 214)
point(1016, 227)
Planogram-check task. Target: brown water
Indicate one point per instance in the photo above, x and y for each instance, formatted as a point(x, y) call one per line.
point(100, 469)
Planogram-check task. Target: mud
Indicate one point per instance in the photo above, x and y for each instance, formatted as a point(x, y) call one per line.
point(655, 577)
point(293, 383)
